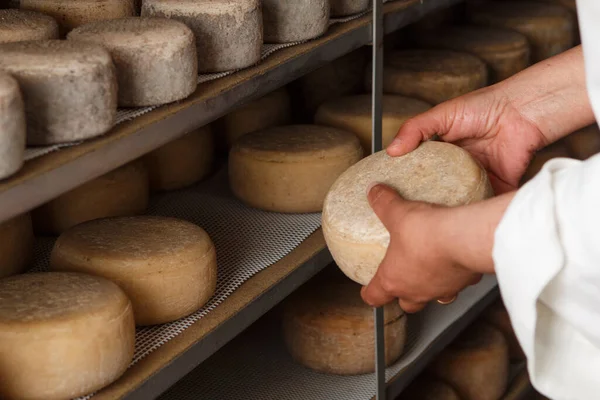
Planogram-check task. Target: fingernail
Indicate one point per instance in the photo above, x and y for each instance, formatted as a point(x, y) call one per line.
point(372, 186)
point(397, 142)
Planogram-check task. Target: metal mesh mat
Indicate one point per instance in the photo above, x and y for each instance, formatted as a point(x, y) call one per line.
point(256, 365)
point(247, 241)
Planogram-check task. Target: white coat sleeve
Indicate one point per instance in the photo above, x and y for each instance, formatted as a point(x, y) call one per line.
point(547, 258)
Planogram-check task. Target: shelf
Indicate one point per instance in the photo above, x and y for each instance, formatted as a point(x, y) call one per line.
point(47, 177)
point(256, 365)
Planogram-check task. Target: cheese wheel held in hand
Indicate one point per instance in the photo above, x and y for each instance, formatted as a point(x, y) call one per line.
point(436, 172)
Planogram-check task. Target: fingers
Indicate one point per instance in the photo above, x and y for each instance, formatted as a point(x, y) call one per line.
point(410, 307)
point(374, 294)
point(384, 201)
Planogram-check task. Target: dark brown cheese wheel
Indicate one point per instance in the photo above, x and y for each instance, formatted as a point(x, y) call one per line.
point(584, 143)
point(476, 364)
point(329, 328)
point(497, 316)
point(433, 76)
point(549, 28)
point(16, 245)
point(506, 52)
point(428, 388)
point(555, 150)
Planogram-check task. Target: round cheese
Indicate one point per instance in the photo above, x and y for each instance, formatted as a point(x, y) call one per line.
point(344, 8)
point(294, 21)
point(290, 168)
point(62, 335)
point(167, 267)
point(427, 388)
point(228, 32)
point(16, 245)
point(273, 109)
point(70, 88)
point(183, 161)
point(433, 76)
point(585, 142)
point(476, 364)
point(436, 172)
point(555, 150)
point(20, 26)
point(155, 58)
point(353, 114)
point(71, 14)
point(121, 192)
point(497, 316)
point(327, 327)
point(549, 28)
point(12, 126)
point(506, 52)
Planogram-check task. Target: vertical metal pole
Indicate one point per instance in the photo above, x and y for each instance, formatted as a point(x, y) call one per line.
point(376, 145)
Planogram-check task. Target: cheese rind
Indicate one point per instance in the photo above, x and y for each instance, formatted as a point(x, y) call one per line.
point(353, 114)
point(80, 326)
point(290, 168)
point(166, 266)
point(16, 245)
point(12, 126)
point(155, 58)
point(344, 8)
point(427, 388)
point(435, 172)
point(183, 161)
point(21, 25)
point(585, 142)
point(228, 32)
point(121, 192)
point(327, 327)
point(497, 316)
point(294, 21)
point(70, 88)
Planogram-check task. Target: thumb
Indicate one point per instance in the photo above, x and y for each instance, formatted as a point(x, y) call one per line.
point(384, 201)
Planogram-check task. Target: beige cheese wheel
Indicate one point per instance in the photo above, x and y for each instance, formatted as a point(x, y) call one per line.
point(497, 316)
point(585, 142)
point(122, 192)
point(70, 88)
point(183, 161)
point(506, 52)
point(13, 129)
point(228, 32)
point(16, 245)
point(436, 172)
point(273, 109)
point(344, 8)
point(549, 28)
point(290, 168)
point(62, 335)
point(21, 25)
point(427, 388)
point(329, 328)
point(555, 150)
point(353, 114)
point(155, 58)
point(476, 364)
point(433, 76)
point(167, 267)
point(294, 21)
point(71, 14)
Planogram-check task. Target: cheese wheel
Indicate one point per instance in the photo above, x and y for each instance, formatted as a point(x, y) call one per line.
point(290, 168)
point(506, 52)
point(344, 8)
point(555, 150)
point(167, 267)
point(155, 58)
point(19, 26)
point(121, 192)
point(16, 245)
point(353, 114)
point(436, 172)
point(273, 109)
point(62, 335)
point(70, 88)
point(433, 76)
point(585, 142)
point(549, 28)
point(328, 328)
point(228, 32)
point(497, 316)
point(71, 14)
point(183, 161)
point(427, 388)
point(12, 126)
point(294, 21)
point(476, 364)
